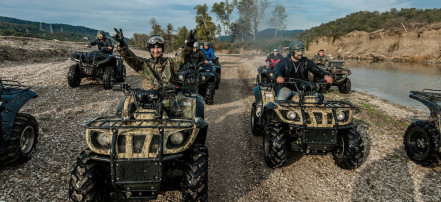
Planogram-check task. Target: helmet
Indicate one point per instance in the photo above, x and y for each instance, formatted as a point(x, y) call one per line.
point(100, 32)
point(276, 50)
point(155, 40)
point(196, 44)
point(206, 44)
point(296, 45)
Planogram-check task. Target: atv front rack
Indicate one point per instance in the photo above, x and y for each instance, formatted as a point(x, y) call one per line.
point(10, 87)
point(327, 104)
point(115, 122)
point(430, 98)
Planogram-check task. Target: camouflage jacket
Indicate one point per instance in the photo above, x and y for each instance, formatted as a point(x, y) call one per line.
point(323, 59)
point(155, 73)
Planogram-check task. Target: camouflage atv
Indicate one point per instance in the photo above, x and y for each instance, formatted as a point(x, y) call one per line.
point(306, 124)
point(200, 77)
point(422, 139)
point(265, 74)
point(157, 135)
point(339, 75)
point(19, 131)
point(96, 65)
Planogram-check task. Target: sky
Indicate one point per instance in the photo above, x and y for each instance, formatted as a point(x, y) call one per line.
point(133, 16)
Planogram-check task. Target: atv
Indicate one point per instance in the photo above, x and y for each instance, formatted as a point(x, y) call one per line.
point(158, 135)
point(217, 67)
point(265, 74)
point(201, 77)
point(96, 65)
point(422, 139)
point(339, 75)
point(305, 124)
point(19, 131)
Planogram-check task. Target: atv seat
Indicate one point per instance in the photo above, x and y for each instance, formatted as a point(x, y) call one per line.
point(147, 96)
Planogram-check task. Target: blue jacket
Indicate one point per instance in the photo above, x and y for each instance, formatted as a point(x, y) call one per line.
point(209, 53)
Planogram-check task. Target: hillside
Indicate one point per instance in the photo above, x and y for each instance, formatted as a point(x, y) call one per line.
point(16, 27)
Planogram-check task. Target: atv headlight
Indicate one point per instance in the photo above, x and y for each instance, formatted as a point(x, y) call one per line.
point(204, 78)
point(104, 139)
point(181, 77)
point(341, 116)
point(271, 75)
point(177, 138)
point(291, 115)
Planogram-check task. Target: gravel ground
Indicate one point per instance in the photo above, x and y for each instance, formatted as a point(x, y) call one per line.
point(237, 169)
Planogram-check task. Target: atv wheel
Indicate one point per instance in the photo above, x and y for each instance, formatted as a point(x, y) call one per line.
point(421, 143)
point(274, 146)
point(345, 87)
point(195, 184)
point(324, 89)
point(108, 78)
point(121, 74)
point(218, 78)
point(254, 128)
point(85, 182)
point(74, 77)
point(350, 152)
point(209, 93)
point(23, 140)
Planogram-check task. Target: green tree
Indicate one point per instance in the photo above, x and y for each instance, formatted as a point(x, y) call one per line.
point(243, 24)
point(204, 26)
point(223, 11)
point(156, 28)
point(168, 37)
point(180, 38)
point(278, 19)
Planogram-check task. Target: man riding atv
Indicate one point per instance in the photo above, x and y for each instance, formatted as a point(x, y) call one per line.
point(320, 58)
point(296, 66)
point(209, 53)
point(197, 56)
point(157, 70)
point(104, 44)
point(274, 58)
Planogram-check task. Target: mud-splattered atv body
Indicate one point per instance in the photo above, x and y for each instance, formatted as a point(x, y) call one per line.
point(265, 75)
point(96, 65)
point(306, 124)
point(339, 74)
point(201, 78)
point(422, 139)
point(19, 131)
point(158, 135)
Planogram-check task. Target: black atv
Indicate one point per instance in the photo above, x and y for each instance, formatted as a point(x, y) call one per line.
point(201, 77)
point(306, 124)
point(265, 74)
point(339, 74)
point(422, 139)
point(217, 67)
point(96, 65)
point(157, 141)
point(19, 131)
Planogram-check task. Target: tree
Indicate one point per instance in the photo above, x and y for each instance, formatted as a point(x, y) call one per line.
point(278, 19)
point(219, 31)
point(180, 38)
point(258, 8)
point(223, 11)
point(243, 24)
point(156, 28)
point(139, 40)
point(168, 37)
point(205, 28)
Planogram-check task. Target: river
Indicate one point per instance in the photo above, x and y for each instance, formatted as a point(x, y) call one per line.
point(393, 81)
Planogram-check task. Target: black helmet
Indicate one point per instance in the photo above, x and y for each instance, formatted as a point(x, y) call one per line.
point(296, 45)
point(100, 32)
point(155, 40)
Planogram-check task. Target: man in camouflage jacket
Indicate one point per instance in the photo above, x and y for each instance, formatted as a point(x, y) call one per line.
point(320, 58)
point(157, 71)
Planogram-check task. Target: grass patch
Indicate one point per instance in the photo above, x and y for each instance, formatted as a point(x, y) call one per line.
point(380, 118)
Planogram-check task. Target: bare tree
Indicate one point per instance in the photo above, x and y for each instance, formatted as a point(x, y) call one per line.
point(223, 11)
point(156, 28)
point(278, 19)
point(258, 10)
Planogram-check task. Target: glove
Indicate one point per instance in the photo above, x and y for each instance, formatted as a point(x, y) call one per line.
point(119, 37)
point(191, 38)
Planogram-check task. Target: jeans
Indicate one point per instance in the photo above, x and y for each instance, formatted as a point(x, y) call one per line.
point(284, 94)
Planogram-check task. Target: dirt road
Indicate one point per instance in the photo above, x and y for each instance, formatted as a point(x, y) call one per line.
point(237, 171)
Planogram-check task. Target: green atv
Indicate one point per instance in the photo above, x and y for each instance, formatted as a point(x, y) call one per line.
point(158, 135)
point(339, 74)
point(306, 124)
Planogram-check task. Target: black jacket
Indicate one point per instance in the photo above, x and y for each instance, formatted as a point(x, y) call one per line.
point(287, 69)
point(197, 57)
point(103, 44)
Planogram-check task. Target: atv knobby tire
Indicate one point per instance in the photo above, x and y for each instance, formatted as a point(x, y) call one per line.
point(74, 76)
point(209, 93)
point(350, 152)
point(121, 74)
point(108, 78)
point(275, 149)
point(254, 128)
point(23, 140)
point(85, 182)
point(345, 87)
point(421, 143)
point(218, 78)
point(195, 185)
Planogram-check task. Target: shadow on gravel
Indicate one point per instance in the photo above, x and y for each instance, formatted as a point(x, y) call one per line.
point(223, 95)
point(386, 179)
point(430, 189)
